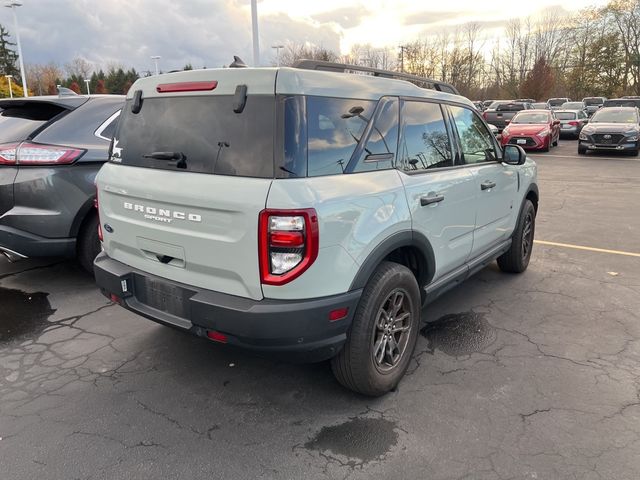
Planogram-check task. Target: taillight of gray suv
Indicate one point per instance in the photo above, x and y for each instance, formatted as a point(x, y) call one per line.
point(307, 214)
point(50, 151)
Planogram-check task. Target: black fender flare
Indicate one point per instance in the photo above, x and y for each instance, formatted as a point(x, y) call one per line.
point(84, 211)
point(405, 238)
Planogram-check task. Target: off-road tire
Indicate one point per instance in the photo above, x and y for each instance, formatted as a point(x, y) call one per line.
point(88, 244)
point(355, 366)
point(516, 259)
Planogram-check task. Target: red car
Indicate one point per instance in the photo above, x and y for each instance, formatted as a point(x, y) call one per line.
point(533, 130)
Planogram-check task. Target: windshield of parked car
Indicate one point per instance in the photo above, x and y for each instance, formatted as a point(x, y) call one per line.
point(556, 102)
point(615, 115)
point(541, 106)
point(593, 101)
point(573, 105)
point(566, 115)
point(531, 118)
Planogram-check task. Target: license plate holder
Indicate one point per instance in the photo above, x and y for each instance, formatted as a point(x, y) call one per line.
point(521, 141)
point(163, 296)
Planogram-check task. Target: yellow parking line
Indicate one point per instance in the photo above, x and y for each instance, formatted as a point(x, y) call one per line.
point(590, 249)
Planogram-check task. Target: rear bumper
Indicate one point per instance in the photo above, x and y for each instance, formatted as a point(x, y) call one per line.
point(295, 330)
point(26, 244)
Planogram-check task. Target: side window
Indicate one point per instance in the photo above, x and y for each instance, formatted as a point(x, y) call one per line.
point(425, 142)
point(334, 127)
point(380, 150)
point(108, 128)
point(476, 140)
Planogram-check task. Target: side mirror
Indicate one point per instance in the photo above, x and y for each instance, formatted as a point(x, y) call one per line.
point(514, 155)
point(507, 121)
point(586, 120)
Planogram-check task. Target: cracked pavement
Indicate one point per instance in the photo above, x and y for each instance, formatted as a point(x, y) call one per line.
point(539, 379)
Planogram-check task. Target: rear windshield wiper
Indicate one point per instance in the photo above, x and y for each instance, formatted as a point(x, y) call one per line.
point(177, 158)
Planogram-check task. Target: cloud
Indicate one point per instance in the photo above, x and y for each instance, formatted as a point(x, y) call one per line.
point(346, 17)
point(200, 32)
point(426, 18)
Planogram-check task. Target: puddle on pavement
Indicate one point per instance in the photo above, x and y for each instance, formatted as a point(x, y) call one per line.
point(363, 439)
point(22, 314)
point(459, 334)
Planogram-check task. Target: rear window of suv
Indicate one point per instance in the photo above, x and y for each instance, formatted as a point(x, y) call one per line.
point(204, 130)
point(20, 122)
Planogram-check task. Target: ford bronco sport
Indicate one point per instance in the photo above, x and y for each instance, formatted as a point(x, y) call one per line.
point(306, 213)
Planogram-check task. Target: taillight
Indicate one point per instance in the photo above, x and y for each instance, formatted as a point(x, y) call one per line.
point(27, 153)
point(485, 116)
point(186, 86)
point(38, 154)
point(573, 123)
point(287, 244)
point(8, 154)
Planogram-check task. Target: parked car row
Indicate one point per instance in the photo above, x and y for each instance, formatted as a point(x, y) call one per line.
point(589, 105)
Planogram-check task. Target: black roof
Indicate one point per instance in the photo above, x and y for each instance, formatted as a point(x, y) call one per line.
point(376, 72)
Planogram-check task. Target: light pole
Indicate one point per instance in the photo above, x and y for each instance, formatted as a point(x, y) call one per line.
point(9, 77)
point(12, 4)
point(86, 80)
point(254, 32)
point(277, 48)
point(155, 58)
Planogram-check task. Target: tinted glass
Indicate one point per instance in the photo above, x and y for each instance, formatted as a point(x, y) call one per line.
point(425, 142)
point(573, 105)
point(593, 101)
point(18, 123)
point(294, 129)
point(334, 126)
point(379, 151)
point(110, 129)
point(510, 107)
point(529, 117)
point(203, 129)
point(615, 115)
point(476, 141)
point(566, 115)
point(556, 102)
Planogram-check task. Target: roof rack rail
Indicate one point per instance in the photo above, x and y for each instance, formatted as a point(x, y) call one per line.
point(375, 72)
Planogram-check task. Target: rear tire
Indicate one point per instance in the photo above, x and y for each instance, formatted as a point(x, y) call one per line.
point(88, 243)
point(383, 334)
point(516, 259)
point(582, 151)
point(555, 144)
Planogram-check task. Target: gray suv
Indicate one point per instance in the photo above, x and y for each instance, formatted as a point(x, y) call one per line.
point(51, 149)
point(306, 213)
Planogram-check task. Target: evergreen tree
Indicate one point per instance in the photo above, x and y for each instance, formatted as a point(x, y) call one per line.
point(8, 56)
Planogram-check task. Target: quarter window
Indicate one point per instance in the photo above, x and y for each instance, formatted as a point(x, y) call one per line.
point(380, 150)
point(475, 139)
point(425, 142)
point(335, 126)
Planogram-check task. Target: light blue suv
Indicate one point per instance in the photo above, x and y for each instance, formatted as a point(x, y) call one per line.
point(306, 213)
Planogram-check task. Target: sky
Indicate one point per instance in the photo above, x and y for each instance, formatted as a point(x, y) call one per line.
point(209, 32)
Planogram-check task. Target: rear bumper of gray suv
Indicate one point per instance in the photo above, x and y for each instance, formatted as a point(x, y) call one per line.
point(25, 244)
point(298, 330)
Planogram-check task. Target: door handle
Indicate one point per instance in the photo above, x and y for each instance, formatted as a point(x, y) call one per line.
point(424, 201)
point(487, 185)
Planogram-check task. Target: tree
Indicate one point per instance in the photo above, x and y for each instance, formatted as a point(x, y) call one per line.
point(78, 68)
point(100, 88)
point(539, 82)
point(292, 53)
point(8, 56)
point(75, 87)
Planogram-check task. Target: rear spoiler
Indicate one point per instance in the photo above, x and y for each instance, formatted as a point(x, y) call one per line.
point(375, 72)
point(69, 103)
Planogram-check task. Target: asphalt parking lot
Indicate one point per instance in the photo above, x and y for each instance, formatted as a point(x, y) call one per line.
point(532, 376)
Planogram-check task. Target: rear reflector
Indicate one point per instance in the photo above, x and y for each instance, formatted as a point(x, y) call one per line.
point(186, 87)
point(217, 336)
point(338, 314)
point(115, 299)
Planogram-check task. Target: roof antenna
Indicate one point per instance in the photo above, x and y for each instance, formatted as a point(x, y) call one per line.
point(238, 63)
